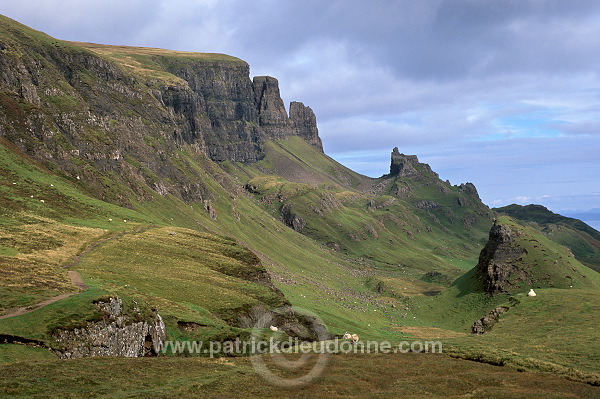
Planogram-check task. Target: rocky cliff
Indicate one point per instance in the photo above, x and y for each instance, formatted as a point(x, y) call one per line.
point(138, 116)
point(117, 334)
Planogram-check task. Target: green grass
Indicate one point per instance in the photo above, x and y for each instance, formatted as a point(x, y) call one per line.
point(71, 311)
point(13, 353)
point(352, 375)
point(190, 267)
point(555, 331)
point(153, 63)
point(547, 263)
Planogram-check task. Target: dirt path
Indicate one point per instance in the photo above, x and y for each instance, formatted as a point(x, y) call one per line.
point(75, 276)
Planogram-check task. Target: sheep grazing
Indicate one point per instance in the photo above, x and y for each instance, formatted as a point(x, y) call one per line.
point(347, 336)
point(531, 292)
point(273, 328)
point(354, 338)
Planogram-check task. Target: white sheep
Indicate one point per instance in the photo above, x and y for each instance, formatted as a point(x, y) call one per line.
point(354, 338)
point(347, 335)
point(273, 328)
point(531, 292)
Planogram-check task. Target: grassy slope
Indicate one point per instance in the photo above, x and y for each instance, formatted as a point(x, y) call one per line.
point(556, 331)
point(548, 263)
point(353, 375)
point(374, 226)
point(581, 239)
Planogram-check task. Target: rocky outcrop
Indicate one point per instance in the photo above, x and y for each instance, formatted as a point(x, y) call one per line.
point(488, 321)
point(272, 116)
point(274, 120)
point(426, 204)
point(117, 334)
point(468, 188)
point(304, 124)
point(498, 266)
point(286, 319)
point(404, 165)
point(290, 218)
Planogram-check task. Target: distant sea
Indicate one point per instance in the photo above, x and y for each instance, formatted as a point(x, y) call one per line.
point(593, 223)
point(591, 218)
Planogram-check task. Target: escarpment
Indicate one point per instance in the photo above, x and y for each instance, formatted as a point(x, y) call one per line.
point(138, 116)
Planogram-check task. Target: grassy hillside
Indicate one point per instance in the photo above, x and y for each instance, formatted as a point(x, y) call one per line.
point(526, 259)
point(363, 217)
point(581, 239)
point(556, 331)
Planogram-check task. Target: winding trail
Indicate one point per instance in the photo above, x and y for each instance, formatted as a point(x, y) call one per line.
point(74, 276)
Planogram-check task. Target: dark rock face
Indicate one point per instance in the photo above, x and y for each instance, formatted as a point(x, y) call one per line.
point(64, 104)
point(488, 321)
point(291, 219)
point(304, 124)
point(115, 335)
point(272, 116)
point(304, 327)
point(406, 166)
point(469, 188)
point(402, 165)
point(498, 266)
point(274, 120)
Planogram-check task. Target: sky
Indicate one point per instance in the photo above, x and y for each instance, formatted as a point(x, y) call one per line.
point(501, 93)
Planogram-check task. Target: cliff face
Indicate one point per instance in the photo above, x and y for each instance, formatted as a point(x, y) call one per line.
point(132, 115)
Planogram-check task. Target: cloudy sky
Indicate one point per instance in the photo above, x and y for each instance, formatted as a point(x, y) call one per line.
point(502, 93)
